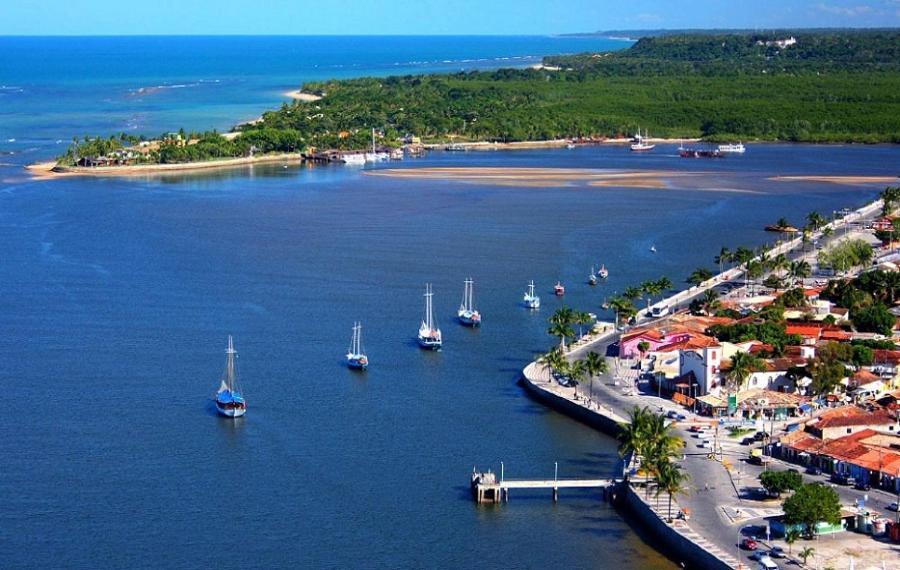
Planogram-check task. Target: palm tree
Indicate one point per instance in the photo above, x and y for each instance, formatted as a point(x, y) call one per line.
point(581, 319)
point(594, 365)
point(699, 275)
point(709, 301)
point(651, 289)
point(664, 284)
point(806, 553)
point(815, 220)
point(623, 308)
point(779, 262)
point(563, 331)
point(725, 256)
point(790, 537)
point(755, 269)
point(633, 293)
point(827, 232)
point(672, 480)
point(799, 269)
point(554, 359)
point(743, 364)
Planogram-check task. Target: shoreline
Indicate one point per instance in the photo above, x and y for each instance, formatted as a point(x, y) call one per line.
point(678, 537)
point(49, 170)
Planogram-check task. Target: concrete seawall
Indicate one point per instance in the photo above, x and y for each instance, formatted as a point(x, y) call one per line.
point(680, 542)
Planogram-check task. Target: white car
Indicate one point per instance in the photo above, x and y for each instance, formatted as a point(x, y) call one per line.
point(895, 506)
point(659, 311)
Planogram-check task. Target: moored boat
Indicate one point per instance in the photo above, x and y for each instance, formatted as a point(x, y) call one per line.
point(429, 335)
point(732, 148)
point(559, 290)
point(531, 300)
point(592, 278)
point(640, 145)
point(467, 314)
point(353, 158)
point(356, 357)
point(603, 272)
point(652, 249)
point(229, 399)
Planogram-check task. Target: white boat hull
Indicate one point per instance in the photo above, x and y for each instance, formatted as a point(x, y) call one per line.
point(231, 412)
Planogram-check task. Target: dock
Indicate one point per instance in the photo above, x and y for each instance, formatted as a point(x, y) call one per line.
point(488, 488)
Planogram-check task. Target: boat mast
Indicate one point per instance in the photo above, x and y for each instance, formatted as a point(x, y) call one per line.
point(428, 294)
point(229, 366)
point(471, 306)
point(373, 140)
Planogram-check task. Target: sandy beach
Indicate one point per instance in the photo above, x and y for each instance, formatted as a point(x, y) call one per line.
point(49, 170)
point(842, 180)
point(559, 177)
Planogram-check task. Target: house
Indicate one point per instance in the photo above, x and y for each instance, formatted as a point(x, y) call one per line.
point(883, 224)
point(753, 403)
point(847, 420)
point(653, 337)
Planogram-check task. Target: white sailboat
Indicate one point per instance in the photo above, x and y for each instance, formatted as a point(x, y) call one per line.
point(592, 278)
point(531, 300)
point(639, 144)
point(603, 272)
point(467, 313)
point(356, 357)
point(429, 335)
point(229, 399)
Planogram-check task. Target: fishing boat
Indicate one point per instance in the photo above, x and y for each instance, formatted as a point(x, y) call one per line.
point(559, 290)
point(639, 144)
point(733, 148)
point(531, 300)
point(652, 249)
point(700, 153)
point(229, 399)
point(429, 335)
point(356, 358)
point(603, 272)
point(592, 278)
point(467, 313)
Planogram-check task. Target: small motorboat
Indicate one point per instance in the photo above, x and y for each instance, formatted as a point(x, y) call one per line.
point(652, 249)
point(559, 290)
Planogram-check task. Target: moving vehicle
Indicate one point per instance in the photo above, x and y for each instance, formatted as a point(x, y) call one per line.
point(749, 544)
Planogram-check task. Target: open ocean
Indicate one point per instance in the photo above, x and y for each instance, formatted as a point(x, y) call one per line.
point(117, 295)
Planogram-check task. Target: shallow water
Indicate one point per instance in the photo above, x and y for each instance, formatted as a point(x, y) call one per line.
point(117, 296)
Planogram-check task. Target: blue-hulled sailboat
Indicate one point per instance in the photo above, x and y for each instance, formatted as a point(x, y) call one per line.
point(229, 399)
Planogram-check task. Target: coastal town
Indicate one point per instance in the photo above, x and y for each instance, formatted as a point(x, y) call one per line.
point(779, 381)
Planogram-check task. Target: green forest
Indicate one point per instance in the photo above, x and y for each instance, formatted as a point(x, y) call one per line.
point(827, 88)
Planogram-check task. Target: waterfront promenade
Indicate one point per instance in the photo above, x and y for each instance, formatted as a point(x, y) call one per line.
point(714, 497)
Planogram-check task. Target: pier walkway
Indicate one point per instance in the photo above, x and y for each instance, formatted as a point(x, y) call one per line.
point(487, 488)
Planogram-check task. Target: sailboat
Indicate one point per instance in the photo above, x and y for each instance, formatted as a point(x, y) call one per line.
point(356, 358)
point(229, 400)
point(639, 144)
point(429, 336)
point(592, 278)
point(603, 272)
point(531, 300)
point(467, 313)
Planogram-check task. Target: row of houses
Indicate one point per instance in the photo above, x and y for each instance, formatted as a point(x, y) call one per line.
point(853, 441)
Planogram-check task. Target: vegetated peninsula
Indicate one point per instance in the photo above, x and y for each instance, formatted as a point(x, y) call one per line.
point(818, 87)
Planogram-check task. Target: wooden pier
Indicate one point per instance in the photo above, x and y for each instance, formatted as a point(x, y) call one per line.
point(488, 488)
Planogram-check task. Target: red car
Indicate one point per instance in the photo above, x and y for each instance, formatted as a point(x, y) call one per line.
point(749, 544)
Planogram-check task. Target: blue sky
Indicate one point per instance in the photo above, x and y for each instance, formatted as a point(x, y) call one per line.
point(302, 17)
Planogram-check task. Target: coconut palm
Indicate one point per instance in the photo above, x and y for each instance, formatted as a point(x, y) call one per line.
point(632, 438)
point(725, 256)
point(581, 319)
point(699, 275)
point(806, 553)
point(554, 359)
point(790, 537)
point(827, 232)
point(672, 480)
point(709, 301)
point(743, 364)
point(561, 330)
point(633, 293)
point(594, 365)
point(815, 220)
point(650, 289)
point(623, 308)
point(799, 269)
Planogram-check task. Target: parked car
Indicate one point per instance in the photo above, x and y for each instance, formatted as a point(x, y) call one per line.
point(672, 414)
point(760, 435)
point(681, 417)
point(840, 479)
point(749, 544)
point(895, 506)
point(766, 563)
point(776, 552)
point(748, 440)
point(694, 429)
point(862, 486)
point(813, 470)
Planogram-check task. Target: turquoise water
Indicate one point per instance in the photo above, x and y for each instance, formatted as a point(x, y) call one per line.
point(117, 296)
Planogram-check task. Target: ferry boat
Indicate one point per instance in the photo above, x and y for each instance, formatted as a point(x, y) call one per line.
point(467, 314)
point(531, 300)
point(559, 290)
point(592, 278)
point(732, 148)
point(229, 400)
point(429, 335)
point(603, 272)
point(639, 144)
point(356, 358)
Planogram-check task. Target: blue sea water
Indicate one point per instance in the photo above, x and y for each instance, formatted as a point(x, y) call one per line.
point(117, 296)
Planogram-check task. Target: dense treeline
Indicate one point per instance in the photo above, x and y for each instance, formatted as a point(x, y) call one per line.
point(829, 87)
